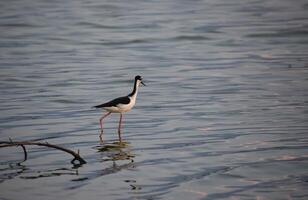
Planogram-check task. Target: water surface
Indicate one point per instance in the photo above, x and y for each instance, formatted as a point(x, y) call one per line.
point(224, 115)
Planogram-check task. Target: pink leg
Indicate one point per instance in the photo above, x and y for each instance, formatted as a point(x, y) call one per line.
point(119, 129)
point(101, 124)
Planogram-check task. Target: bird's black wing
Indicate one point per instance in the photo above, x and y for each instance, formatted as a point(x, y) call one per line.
point(115, 102)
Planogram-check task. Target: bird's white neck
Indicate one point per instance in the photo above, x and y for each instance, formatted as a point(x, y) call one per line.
point(135, 90)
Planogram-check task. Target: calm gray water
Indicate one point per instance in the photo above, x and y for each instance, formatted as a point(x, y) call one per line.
point(224, 114)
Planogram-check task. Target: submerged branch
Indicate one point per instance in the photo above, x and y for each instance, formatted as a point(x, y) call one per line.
point(24, 143)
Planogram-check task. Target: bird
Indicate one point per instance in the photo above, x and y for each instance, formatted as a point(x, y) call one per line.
point(120, 105)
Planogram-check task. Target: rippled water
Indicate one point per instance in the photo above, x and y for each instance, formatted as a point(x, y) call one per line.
point(224, 115)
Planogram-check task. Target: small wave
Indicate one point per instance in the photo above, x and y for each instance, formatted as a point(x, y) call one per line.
point(97, 25)
point(65, 101)
point(126, 26)
point(191, 37)
point(17, 25)
point(282, 33)
point(124, 42)
point(208, 29)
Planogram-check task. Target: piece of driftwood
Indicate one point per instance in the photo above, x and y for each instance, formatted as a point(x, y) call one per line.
point(10, 143)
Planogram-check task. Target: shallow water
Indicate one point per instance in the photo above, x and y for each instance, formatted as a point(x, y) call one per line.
point(223, 116)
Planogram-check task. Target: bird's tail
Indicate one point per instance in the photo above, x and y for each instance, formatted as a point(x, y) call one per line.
point(98, 106)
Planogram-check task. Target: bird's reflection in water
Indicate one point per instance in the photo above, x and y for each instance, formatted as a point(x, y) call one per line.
point(116, 151)
point(119, 154)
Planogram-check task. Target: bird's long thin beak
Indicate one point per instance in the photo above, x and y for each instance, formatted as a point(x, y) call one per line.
point(143, 83)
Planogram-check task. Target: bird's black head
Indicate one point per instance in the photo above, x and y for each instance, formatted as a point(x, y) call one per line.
point(140, 79)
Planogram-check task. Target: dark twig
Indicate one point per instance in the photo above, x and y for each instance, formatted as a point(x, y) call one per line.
point(23, 143)
point(25, 152)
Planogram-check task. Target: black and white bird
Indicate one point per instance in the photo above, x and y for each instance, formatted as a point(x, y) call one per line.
point(120, 105)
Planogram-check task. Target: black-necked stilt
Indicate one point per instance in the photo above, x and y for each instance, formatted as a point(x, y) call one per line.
point(120, 105)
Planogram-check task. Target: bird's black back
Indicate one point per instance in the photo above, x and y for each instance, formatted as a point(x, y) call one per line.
point(114, 102)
